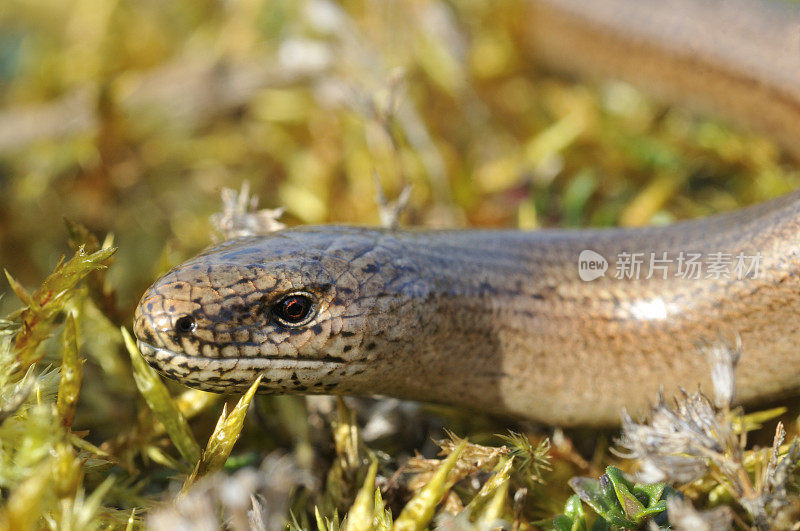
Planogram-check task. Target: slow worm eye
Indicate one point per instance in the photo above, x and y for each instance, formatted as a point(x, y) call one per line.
point(185, 324)
point(294, 309)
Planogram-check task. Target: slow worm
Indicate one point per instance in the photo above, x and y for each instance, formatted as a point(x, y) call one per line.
point(513, 322)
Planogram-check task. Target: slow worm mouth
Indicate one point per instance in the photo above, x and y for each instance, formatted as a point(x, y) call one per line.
point(160, 357)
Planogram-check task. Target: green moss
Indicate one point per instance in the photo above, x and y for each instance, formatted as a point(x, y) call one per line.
point(440, 95)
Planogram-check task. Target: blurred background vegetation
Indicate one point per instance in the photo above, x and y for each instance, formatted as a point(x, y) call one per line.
point(129, 117)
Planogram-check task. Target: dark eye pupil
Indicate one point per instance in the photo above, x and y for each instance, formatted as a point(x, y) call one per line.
point(294, 308)
point(185, 324)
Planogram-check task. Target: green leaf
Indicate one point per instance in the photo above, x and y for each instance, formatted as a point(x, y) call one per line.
point(69, 387)
point(573, 518)
point(494, 509)
point(383, 516)
point(419, 511)
point(601, 497)
point(161, 403)
point(631, 506)
point(617, 500)
point(491, 487)
point(361, 514)
point(48, 301)
point(325, 524)
point(221, 442)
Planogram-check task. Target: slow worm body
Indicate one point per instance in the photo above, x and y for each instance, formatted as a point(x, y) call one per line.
point(563, 327)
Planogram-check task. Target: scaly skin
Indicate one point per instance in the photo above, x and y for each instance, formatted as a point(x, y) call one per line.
point(500, 320)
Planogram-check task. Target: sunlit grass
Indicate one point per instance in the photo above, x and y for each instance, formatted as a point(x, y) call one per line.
point(138, 139)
